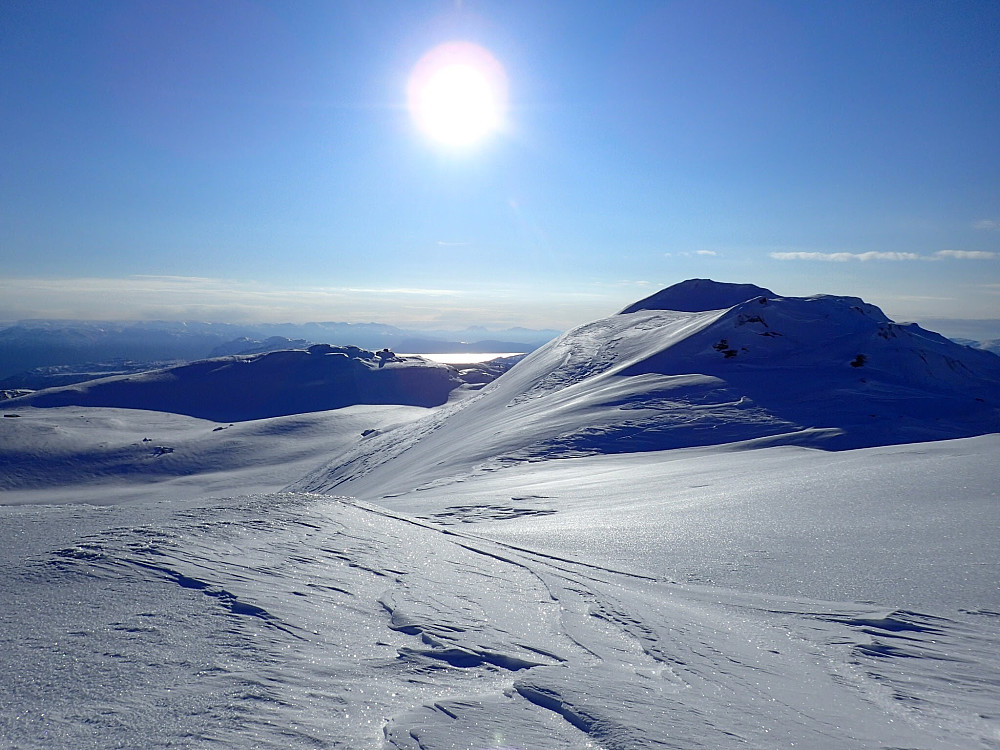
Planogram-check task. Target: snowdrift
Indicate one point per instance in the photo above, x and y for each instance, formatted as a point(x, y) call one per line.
point(823, 371)
point(242, 388)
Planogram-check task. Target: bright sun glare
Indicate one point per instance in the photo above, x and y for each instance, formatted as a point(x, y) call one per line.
point(457, 94)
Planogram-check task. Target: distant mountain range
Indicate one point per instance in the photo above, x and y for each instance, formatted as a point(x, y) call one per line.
point(84, 349)
point(992, 345)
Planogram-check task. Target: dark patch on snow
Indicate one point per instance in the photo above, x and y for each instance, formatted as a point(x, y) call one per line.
point(901, 621)
point(462, 658)
point(474, 513)
point(884, 651)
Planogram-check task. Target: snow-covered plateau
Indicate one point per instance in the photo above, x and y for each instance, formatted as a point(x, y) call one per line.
point(719, 519)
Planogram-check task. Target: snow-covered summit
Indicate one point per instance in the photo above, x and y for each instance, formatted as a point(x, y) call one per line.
point(698, 295)
point(824, 371)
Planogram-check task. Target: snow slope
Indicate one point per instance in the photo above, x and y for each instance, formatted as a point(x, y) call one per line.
point(911, 524)
point(823, 371)
point(307, 621)
point(105, 455)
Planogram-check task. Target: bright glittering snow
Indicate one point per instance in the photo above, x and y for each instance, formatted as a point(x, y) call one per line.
point(630, 540)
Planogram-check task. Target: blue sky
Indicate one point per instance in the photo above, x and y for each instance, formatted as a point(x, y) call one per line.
point(249, 160)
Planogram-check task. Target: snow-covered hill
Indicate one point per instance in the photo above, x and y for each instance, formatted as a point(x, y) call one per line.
point(241, 388)
point(823, 371)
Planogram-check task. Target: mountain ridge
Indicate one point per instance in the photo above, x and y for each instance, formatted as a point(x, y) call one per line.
point(824, 371)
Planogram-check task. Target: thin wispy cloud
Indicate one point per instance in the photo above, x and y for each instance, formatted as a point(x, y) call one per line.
point(689, 254)
point(884, 256)
point(987, 225)
point(965, 254)
point(401, 290)
point(619, 284)
point(845, 257)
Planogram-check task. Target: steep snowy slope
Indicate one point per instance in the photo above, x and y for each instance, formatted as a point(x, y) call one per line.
point(241, 388)
point(824, 371)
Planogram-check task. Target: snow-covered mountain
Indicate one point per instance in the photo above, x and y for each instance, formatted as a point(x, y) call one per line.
point(823, 371)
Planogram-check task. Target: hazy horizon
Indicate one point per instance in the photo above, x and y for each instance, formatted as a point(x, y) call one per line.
point(425, 310)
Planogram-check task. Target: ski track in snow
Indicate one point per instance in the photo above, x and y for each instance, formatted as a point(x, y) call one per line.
point(305, 621)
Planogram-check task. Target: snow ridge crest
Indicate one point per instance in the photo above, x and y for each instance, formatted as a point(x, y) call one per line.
point(698, 295)
point(826, 371)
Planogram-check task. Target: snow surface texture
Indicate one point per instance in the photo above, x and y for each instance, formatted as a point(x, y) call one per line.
point(287, 621)
point(749, 594)
point(101, 455)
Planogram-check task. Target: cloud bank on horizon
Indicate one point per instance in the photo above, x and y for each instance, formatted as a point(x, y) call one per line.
point(252, 161)
point(233, 301)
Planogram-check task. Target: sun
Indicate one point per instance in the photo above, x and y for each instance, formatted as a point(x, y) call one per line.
point(457, 94)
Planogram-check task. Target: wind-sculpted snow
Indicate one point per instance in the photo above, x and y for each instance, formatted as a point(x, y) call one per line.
point(295, 621)
point(829, 372)
point(100, 455)
point(242, 388)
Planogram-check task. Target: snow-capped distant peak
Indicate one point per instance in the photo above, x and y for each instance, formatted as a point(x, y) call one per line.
point(699, 295)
